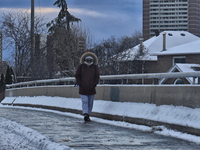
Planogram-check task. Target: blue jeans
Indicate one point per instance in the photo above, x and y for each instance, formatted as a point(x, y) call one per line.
point(87, 103)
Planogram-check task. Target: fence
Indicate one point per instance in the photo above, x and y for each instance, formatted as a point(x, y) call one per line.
point(126, 77)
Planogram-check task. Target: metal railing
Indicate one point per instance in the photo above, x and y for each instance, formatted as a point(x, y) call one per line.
point(71, 80)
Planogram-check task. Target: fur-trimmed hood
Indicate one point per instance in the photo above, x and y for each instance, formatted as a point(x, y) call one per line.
point(89, 54)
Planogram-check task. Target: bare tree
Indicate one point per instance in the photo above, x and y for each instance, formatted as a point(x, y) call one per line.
point(16, 32)
point(104, 51)
point(65, 49)
point(114, 54)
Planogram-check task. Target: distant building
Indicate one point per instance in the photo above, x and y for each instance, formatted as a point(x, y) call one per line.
point(162, 53)
point(41, 56)
point(1, 50)
point(40, 60)
point(177, 15)
point(3, 64)
point(4, 67)
point(185, 52)
point(60, 43)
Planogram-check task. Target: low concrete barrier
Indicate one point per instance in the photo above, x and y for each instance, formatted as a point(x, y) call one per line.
point(177, 95)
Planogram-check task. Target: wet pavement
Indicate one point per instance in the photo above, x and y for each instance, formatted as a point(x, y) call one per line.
point(79, 135)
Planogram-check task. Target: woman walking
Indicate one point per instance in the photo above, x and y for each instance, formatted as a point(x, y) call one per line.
point(87, 77)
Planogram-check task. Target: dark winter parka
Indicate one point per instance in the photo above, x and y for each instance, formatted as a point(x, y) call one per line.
point(87, 77)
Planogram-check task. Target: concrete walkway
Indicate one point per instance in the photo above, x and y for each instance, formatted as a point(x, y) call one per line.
point(79, 135)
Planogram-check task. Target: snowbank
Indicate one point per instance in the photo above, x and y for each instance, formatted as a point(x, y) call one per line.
point(17, 136)
point(169, 114)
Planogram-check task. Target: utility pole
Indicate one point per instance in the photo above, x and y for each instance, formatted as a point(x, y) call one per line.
point(32, 38)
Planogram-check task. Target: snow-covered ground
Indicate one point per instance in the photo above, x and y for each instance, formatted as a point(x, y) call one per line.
point(170, 114)
point(16, 136)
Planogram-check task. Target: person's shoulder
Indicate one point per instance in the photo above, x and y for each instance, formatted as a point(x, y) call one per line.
point(95, 65)
point(79, 66)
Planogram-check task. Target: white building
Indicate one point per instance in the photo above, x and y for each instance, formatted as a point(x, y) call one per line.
point(178, 15)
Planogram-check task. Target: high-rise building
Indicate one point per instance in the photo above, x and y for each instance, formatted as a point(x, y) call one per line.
point(176, 15)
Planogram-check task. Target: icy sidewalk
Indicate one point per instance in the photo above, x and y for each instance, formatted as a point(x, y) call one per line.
point(17, 136)
point(183, 116)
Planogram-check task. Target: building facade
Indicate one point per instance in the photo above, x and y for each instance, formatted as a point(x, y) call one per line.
point(174, 15)
point(63, 53)
point(1, 50)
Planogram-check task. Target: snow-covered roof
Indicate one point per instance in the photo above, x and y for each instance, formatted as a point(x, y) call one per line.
point(184, 68)
point(188, 48)
point(174, 39)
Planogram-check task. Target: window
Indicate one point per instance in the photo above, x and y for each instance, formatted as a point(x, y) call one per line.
point(181, 59)
point(196, 68)
point(178, 81)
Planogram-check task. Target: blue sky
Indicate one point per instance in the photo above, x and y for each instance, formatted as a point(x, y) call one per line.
point(103, 18)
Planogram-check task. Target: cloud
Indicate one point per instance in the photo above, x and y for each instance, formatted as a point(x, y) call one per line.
point(7, 10)
point(43, 10)
point(86, 12)
point(47, 10)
